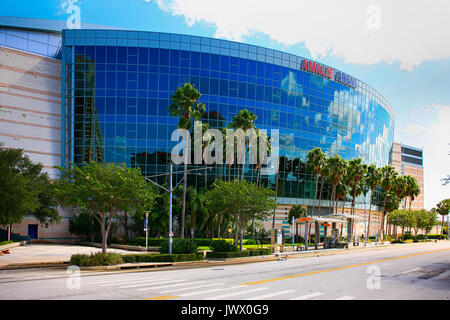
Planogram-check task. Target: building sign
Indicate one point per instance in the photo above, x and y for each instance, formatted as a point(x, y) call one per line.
point(330, 73)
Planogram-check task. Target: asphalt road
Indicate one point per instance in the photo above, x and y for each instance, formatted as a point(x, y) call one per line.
point(420, 272)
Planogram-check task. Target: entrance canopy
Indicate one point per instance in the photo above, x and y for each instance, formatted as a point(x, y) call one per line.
point(318, 219)
point(346, 216)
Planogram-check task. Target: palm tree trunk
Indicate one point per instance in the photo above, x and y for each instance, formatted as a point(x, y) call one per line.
point(276, 195)
point(320, 193)
point(370, 208)
point(183, 209)
point(315, 195)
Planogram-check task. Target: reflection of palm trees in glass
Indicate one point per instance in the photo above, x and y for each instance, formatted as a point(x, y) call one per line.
point(90, 142)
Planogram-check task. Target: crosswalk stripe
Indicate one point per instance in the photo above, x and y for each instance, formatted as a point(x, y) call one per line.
point(140, 283)
point(346, 298)
point(209, 291)
point(193, 288)
point(308, 296)
point(122, 281)
point(147, 283)
point(270, 295)
point(227, 295)
point(112, 278)
point(170, 285)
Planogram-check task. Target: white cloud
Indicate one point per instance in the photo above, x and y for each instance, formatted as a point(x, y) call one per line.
point(413, 129)
point(359, 31)
point(435, 141)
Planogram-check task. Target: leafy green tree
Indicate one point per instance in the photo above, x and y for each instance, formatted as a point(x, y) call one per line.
point(104, 191)
point(241, 200)
point(24, 189)
point(443, 208)
point(186, 106)
point(316, 161)
point(372, 180)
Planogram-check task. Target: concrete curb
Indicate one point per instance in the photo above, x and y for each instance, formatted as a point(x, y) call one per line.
point(12, 245)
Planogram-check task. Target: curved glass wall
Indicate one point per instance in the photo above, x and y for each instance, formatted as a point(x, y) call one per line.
point(38, 42)
point(119, 85)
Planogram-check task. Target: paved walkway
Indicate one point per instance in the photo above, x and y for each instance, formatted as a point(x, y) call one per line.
point(36, 253)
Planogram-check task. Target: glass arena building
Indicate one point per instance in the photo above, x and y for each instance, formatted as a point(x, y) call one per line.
point(103, 94)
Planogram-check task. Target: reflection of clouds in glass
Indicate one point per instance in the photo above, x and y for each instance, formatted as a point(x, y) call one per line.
point(371, 152)
point(347, 121)
point(290, 85)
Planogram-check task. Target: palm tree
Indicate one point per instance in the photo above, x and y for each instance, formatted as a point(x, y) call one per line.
point(186, 106)
point(336, 169)
point(244, 120)
point(388, 175)
point(412, 190)
point(399, 187)
point(373, 178)
point(316, 161)
point(355, 174)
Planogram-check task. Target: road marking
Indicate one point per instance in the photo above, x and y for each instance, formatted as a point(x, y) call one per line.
point(169, 286)
point(270, 295)
point(209, 291)
point(412, 270)
point(162, 298)
point(142, 283)
point(339, 268)
point(346, 298)
point(308, 296)
point(123, 281)
point(192, 288)
point(235, 293)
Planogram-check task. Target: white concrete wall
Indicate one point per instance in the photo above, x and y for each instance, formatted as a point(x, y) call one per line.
point(30, 119)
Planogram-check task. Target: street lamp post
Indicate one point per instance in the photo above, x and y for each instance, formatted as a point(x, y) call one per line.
point(146, 230)
point(170, 190)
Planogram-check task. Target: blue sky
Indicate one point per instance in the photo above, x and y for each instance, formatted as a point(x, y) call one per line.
point(400, 49)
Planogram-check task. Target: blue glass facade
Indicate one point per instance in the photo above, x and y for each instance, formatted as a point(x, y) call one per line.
point(119, 84)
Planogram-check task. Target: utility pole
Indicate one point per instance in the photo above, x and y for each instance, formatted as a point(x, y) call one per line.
point(170, 191)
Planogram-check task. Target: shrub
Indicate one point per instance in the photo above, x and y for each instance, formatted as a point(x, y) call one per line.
point(250, 242)
point(223, 246)
point(131, 258)
point(180, 246)
point(152, 242)
point(239, 254)
point(97, 259)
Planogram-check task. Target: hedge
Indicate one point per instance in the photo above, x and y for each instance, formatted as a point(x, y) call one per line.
point(97, 259)
point(239, 254)
point(131, 258)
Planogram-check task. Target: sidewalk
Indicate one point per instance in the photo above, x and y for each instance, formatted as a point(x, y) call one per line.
point(43, 254)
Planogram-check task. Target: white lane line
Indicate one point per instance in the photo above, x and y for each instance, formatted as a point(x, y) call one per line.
point(227, 295)
point(208, 291)
point(123, 281)
point(192, 288)
point(171, 285)
point(412, 270)
point(308, 296)
point(109, 278)
point(346, 298)
point(270, 295)
point(144, 283)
